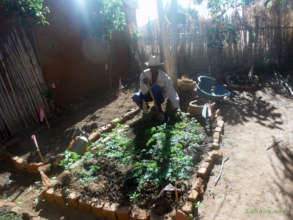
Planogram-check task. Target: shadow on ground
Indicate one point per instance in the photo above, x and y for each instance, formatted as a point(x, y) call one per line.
point(244, 106)
point(80, 118)
point(14, 182)
point(284, 177)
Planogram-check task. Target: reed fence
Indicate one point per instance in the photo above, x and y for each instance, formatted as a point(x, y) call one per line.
point(21, 84)
point(263, 36)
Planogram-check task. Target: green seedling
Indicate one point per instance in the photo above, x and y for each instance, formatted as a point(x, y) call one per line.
point(69, 159)
point(198, 204)
point(165, 155)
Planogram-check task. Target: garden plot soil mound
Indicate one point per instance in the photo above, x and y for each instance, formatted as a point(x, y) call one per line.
point(109, 185)
point(134, 163)
point(84, 116)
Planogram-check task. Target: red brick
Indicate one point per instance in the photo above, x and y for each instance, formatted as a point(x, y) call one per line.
point(73, 200)
point(204, 169)
point(97, 209)
point(58, 198)
point(198, 183)
point(220, 123)
point(208, 158)
point(216, 146)
point(193, 195)
point(94, 136)
point(14, 159)
point(129, 115)
point(216, 137)
point(108, 211)
point(180, 215)
point(45, 168)
point(108, 127)
point(220, 118)
point(19, 163)
point(48, 194)
point(123, 213)
point(139, 214)
point(34, 167)
point(84, 206)
point(216, 154)
point(188, 208)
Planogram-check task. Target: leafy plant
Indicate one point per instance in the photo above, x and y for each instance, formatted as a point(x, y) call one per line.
point(198, 204)
point(69, 159)
point(105, 18)
point(166, 158)
point(222, 31)
point(11, 216)
point(87, 174)
point(27, 9)
point(134, 196)
point(166, 154)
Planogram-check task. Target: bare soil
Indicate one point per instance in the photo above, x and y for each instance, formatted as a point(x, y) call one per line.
point(257, 181)
point(82, 117)
point(113, 183)
point(257, 177)
point(86, 115)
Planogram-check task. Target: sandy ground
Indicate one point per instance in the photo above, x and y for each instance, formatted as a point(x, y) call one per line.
point(257, 177)
point(257, 181)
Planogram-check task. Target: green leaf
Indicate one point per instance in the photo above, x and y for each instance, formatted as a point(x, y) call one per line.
point(269, 4)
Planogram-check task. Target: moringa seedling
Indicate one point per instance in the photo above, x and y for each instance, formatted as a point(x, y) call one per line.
point(198, 204)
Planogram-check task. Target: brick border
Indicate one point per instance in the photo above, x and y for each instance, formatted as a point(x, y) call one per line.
point(100, 210)
point(199, 185)
point(22, 165)
point(108, 127)
point(116, 212)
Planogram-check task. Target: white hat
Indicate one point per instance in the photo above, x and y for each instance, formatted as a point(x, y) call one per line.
point(154, 62)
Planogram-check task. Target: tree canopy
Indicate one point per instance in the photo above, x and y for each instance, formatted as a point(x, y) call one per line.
point(106, 16)
point(33, 10)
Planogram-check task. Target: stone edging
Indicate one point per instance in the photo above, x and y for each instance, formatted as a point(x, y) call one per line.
point(115, 212)
point(22, 165)
point(199, 185)
point(108, 127)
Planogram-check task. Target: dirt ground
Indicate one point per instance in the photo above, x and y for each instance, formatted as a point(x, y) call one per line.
point(82, 117)
point(86, 115)
point(257, 181)
point(258, 177)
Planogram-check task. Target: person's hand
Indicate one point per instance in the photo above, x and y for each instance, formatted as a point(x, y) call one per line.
point(145, 81)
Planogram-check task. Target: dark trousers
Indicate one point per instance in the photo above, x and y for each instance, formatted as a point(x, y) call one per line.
point(157, 92)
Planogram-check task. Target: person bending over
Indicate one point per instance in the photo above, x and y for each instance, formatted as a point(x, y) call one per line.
point(160, 83)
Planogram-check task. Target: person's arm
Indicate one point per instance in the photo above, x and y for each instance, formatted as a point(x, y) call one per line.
point(170, 91)
point(143, 85)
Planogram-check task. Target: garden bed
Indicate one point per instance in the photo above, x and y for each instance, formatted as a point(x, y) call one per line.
point(25, 164)
point(146, 164)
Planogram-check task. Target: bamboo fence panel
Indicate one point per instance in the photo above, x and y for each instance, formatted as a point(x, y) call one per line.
point(263, 37)
point(21, 84)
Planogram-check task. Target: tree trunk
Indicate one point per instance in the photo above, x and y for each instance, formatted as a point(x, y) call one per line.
point(165, 43)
